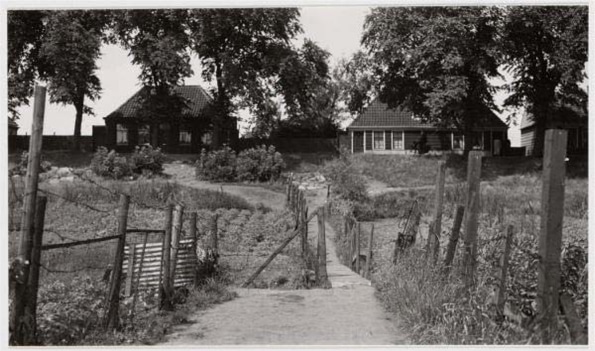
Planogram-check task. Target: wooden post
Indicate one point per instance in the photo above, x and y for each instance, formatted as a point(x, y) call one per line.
point(139, 274)
point(437, 222)
point(113, 320)
point(305, 231)
point(20, 328)
point(577, 334)
point(351, 245)
point(454, 238)
point(358, 247)
point(370, 250)
point(214, 238)
point(295, 233)
point(471, 217)
point(501, 293)
point(31, 305)
point(176, 233)
point(193, 236)
point(130, 273)
point(322, 278)
point(166, 302)
point(550, 241)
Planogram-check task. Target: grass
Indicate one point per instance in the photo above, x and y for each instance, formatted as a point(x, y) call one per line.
point(434, 308)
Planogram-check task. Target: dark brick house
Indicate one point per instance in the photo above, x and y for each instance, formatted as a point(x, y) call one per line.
point(382, 130)
point(187, 132)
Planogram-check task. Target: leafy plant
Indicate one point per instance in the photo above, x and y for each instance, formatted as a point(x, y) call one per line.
point(259, 164)
point(217, 165)
point(110, 164)
point(21, 168)
point(147, 160)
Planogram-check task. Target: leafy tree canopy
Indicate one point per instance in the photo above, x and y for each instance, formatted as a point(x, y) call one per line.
point(436, 61)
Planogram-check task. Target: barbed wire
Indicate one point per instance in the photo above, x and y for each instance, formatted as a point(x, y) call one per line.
point(50, 270)
point(74, 201)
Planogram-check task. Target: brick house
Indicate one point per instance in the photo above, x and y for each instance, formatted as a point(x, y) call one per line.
point(188, 132)
point(381, 130)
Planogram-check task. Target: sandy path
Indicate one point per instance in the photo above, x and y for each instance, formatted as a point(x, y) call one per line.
point(347, 314)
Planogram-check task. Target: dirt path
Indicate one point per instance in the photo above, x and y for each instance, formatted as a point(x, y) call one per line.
point(347, 314)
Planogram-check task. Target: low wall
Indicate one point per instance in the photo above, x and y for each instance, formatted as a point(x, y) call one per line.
point(50, 142)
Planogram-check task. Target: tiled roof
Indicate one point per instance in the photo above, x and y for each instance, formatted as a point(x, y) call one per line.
point(196, 98)
point(379, 115)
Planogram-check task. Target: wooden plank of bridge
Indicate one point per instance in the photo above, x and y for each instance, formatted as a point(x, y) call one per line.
point(550, 240)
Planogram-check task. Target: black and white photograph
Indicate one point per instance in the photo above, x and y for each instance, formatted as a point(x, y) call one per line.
point(295, 174)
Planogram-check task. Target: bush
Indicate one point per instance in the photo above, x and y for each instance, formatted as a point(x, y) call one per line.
point(259, 164)
point(347, 181)
point(146, 160)
point(21, 168)
point(110, 164)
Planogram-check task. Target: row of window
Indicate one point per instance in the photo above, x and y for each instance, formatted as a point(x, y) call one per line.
point(144, 135)
point(396, 139)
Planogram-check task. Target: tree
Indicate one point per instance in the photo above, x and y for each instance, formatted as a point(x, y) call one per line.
point(241, 51)
point(356, 82)
point(67, 60)
point(436, 61)
point(25, 30)
point(545, 49)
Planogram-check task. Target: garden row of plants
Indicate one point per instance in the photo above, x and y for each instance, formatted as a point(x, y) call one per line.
point(438, 310)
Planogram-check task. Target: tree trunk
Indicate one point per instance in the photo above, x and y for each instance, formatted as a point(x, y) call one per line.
point(221, 107)
point(78, 121)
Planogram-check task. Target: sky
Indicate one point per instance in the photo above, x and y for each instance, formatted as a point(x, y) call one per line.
point(336, 29)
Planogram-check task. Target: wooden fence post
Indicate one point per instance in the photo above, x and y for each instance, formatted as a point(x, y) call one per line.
point(434, 234)
point(176, 233)
point(214, 237)
point(31, 305)
point(358, 247)
point(193, 236)
point(322, 278)
point(550, 240)
point(370, 251)
point(113, 320)
point(471, 217)
point(166, 302)
point(20, 328)
point(501, 293)
point(577, 334)
point(454, 238)
point(139, 274)
point(305, 231)
point(130, 273)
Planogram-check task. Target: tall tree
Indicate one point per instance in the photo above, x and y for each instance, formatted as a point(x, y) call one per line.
point(357, 82)
point(159, 44)
point(436, 61)
point(67, 60)
point(25, 31)
point(545, 48)
point(241, 51)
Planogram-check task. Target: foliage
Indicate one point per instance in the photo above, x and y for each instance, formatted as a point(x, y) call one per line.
point(260, 164)
point(21, 168)
point(436, 61)
point(545, 49)
point(357, 81)
point(147, 160)
point(346, 179)
point(110, 164)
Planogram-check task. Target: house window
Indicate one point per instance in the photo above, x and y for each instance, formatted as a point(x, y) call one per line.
point(144, 134)
point(185, 137)
point(458, 142)
point(398, 140)
point(207, 138)
point(379, 140)
point(121, 134)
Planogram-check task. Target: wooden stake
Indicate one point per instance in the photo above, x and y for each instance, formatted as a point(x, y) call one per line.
point(471, 217)
point(276, 252)
point(166, 302)
point(139, 275)
point(436, 231)
point(193, 236)
point(577, 333)
point(501, 292)
point(358, 247)
point(322, 278)
point(130, 273)
point(550, 241)
point(31, 306)
point(177, 231)
point(20, 328)
point(113, 321)
point(370, 250)
point(454, 238)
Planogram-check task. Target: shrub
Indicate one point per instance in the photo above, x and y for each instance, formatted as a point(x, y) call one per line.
point(110, 164)
point(217, 165)
point(259, 164)
point(147, 160)
point(21, 168)
point(347, 181)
